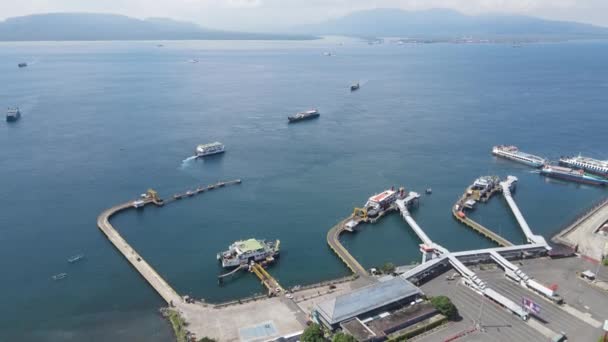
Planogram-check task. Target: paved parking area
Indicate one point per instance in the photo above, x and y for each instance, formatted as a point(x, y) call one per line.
point(498, 323)
point(575, 291)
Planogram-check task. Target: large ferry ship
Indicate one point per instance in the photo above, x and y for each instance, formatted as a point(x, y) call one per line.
point(598, 167)
point(13, 114)
point(244, 251)
point(307, 115)
point(513, 153)
point(209, 149)
point(572, 175)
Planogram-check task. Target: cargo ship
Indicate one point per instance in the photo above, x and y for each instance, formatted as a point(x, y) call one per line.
point(307, 115)
point(244, 251)
point(209, 149)
point(513, 153)
point(13, 114)
point(354, 86)
point(595, 166)
point(572, 175)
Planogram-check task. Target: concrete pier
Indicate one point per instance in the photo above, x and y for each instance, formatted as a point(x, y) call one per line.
point(333, 240)
point(147, 272)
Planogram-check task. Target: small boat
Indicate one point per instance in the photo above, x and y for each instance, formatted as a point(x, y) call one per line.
point(177, 196)
point(13, 114)
point(354, 86)
point(59, 276)
point(75, 258)
point(211, 187)
point(22, 65)
point(221, 184)
point(429, 191)
point(139, 204)
point(200, 189)
point(189, 193)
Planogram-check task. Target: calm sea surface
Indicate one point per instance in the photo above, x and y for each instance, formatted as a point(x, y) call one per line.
point(103, 122)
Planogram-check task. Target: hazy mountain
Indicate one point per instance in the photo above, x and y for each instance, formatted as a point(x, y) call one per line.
point(448, 23)
point(89, 26)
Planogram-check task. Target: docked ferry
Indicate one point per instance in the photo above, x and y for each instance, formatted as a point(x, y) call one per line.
point(209, 149)
point(244, 251)
point(598, 167)
point(572, 175)
point(307, 115)
point(513, 153)
point(13, 114)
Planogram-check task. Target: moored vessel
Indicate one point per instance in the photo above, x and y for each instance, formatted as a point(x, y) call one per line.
point(354, 86)
point(59, 276)
point(572, 175)
point(22, 65)
point(209, 149)
point(595, 166)
point(244, 251)
point(307, 115)
point(75, 258)
point(13, 114)
point(513, 153)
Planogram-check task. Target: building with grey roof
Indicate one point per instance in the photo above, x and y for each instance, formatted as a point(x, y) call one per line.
point(366, 301)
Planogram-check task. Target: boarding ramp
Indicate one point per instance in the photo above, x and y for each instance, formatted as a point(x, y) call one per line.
point(508, 266)
point(506, 192)
point(466, 272)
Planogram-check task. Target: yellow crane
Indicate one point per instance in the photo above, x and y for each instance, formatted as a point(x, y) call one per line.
point(360, 212)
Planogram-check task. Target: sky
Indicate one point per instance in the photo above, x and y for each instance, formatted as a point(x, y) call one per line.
point(272, 15)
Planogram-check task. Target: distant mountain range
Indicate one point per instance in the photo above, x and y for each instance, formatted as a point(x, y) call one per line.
point(445, 23)
point(90, 26)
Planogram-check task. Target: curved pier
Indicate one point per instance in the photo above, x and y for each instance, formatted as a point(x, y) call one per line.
point(333, 240)
point(146, 271)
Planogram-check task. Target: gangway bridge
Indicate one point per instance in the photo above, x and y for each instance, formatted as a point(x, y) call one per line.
point(506, 186)
point(428, 248)
point(273, 286)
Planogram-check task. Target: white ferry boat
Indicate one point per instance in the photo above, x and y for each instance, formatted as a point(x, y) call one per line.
point(513, 153)
point(209, 149)
point(598, 167)
point(244, 251)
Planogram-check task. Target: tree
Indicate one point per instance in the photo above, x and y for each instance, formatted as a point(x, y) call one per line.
point(342, 337)
point(388, 268)
point(444, 305)
point(313, 333)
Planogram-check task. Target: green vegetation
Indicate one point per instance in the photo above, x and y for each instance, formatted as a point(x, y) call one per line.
point(342, 337)
point(206, 339)
point(444, 305)
point(178, 324)
point(313, 333)
point(605, 262)
point(388, 268)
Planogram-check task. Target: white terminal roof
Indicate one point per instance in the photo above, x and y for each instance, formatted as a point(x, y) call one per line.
point(366, 299)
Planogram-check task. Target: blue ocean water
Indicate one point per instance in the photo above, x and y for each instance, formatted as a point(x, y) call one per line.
point(104, 121)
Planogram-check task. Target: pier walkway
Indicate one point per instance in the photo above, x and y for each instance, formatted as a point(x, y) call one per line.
point(506, 192)
point(146, 271)
point(333, 240)
point(273, 286)
point(426, 241)
point(481, 229)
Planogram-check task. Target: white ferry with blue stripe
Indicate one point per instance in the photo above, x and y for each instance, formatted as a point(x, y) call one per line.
point(513, 153)
point(595, 166)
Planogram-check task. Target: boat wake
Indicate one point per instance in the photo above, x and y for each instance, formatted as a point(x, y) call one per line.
point(187, 161)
